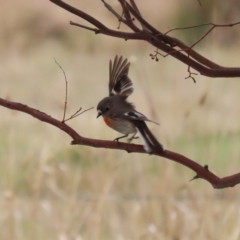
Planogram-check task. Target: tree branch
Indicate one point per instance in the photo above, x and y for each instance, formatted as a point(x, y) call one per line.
point(154, 37)
point(201, 172)
point(66, 90)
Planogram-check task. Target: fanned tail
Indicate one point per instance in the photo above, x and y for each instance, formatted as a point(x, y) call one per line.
point(150, 143)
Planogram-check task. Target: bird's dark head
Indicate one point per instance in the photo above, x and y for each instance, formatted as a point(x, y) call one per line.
point(104, 106)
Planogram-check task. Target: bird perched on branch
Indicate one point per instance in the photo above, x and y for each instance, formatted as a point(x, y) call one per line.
point(121, 115)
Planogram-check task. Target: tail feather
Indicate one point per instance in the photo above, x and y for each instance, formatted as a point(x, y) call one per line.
point(149, 141)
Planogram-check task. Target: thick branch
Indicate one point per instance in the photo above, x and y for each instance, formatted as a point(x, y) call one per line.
point(101, 27)
point(151, 35)
point(201, 172)
point(174, 41)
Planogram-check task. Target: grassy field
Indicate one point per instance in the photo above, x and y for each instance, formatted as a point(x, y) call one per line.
point(54, 191)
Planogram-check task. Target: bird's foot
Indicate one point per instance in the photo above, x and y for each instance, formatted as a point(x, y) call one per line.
point(132, 138)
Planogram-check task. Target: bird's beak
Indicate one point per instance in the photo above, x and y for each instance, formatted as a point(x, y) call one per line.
point(99, 114)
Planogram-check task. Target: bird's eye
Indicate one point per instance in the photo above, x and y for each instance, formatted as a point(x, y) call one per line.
point(107, 108)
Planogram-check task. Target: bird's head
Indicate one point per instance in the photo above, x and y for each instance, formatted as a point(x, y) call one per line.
point(104, 106)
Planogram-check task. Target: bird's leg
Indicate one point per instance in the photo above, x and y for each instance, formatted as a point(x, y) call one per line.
point(116, 139)
point(132, 137)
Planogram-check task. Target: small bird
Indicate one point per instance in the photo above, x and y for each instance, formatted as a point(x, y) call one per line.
point(121, 115)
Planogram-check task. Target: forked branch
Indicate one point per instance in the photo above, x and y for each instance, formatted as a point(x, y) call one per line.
point(170, 45)
point(201, 172)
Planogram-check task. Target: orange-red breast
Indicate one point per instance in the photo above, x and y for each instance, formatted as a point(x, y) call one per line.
point(121, 115)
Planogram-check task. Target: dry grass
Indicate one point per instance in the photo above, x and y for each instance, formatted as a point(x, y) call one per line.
point(51, 190)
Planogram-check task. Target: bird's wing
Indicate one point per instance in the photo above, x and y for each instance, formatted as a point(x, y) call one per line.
point(119, 82)
point(134, 115)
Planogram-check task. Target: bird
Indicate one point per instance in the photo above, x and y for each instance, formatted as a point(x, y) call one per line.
point(121, 115)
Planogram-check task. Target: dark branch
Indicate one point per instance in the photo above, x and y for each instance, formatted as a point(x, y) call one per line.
point(129, 19)
point(162, 42)
point(102, 28)
point(120, 19)
point(201, 172)
point(154, 37)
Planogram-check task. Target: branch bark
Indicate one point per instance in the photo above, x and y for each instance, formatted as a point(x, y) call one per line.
point(77, 139)
point(167, 44)
point(156, 38)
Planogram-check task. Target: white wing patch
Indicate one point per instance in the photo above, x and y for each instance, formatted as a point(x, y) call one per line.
point(134, 115)
point(119, 82)
point(146, 146)
point(124, 91)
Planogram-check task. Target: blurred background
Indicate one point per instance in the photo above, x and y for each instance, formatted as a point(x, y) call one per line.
point(52, 190)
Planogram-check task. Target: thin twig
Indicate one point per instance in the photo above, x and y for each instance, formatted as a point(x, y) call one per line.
point(134, 5)
point(120, 18)
point(119, 22)
point(142, 21)
point(198, 41)
point(83, 112)
point(72, 116)
point(190, 74)
point(154, 37)
point(189, 69)
point(85, 27)
point(129, 19)
point(201, 171)
point(203, 25)
point(187, 28)
point(78, 113)
point(66, 90)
